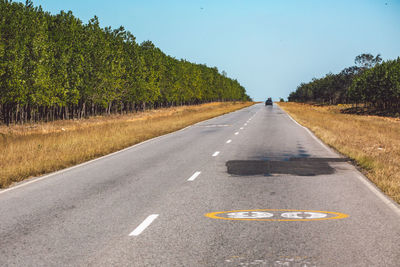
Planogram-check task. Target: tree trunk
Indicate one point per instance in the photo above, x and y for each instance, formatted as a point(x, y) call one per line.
point(83, 110)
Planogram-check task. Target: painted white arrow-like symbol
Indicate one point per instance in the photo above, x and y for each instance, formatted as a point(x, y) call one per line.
point(250, 215)
point(296, 215)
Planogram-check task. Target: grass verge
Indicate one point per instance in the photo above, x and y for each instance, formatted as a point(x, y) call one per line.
point(33, 150)
point(372, 141)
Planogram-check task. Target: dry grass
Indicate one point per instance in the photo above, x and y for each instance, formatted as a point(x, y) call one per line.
point(32, 150)
point(372, 141)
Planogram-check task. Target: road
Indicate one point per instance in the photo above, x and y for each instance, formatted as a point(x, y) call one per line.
point(248, 188)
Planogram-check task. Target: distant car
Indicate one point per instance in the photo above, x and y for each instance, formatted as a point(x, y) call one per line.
point(268, 102)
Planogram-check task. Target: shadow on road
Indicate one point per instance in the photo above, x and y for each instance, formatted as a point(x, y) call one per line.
point(294, 166)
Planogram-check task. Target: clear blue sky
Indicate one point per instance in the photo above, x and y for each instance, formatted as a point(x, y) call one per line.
point(270, 47)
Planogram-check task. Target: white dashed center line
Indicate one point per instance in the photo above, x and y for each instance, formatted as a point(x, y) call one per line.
point(144, 225)
point(228, 141)
point(236, 133)
point(194, 176)
point(215, 153)
point(241, 128)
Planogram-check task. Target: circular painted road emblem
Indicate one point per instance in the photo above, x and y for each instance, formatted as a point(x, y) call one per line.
point(278, 215)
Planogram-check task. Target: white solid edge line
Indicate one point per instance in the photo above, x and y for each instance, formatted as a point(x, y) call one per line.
point(311, 134)
point(194, 176)
point(385, 199)
point(144, 225)
point(34, 180)
point(215, 153)
point(236, 133)
point(392, 205)
point(228, 141)
point(37, 179)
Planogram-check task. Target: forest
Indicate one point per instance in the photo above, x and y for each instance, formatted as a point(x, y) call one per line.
point(370, 82)
point(56, 67)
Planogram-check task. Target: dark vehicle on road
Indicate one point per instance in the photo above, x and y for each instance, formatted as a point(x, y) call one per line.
point(268, 102)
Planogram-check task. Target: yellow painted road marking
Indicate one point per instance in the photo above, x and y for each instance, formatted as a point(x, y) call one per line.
point(276, 212)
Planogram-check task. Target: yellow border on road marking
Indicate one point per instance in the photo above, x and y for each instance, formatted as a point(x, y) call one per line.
point(213, 215)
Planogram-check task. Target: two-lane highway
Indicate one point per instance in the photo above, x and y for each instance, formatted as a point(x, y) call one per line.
point(248, 188)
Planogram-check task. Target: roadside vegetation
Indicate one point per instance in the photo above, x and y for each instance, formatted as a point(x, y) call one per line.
point(35, 149)
point(371, 86)
point(56, 67)
point(371, 141)
point(71, 92)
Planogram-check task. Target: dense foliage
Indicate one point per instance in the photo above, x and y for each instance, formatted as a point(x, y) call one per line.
point(56, 67)
point(378, 86)
point(371, 82)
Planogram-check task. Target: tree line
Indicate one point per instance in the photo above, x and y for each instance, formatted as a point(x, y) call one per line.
point(56, 67)
point(370, 82)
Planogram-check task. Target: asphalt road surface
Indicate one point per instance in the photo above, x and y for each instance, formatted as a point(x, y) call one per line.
point(250, 188)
